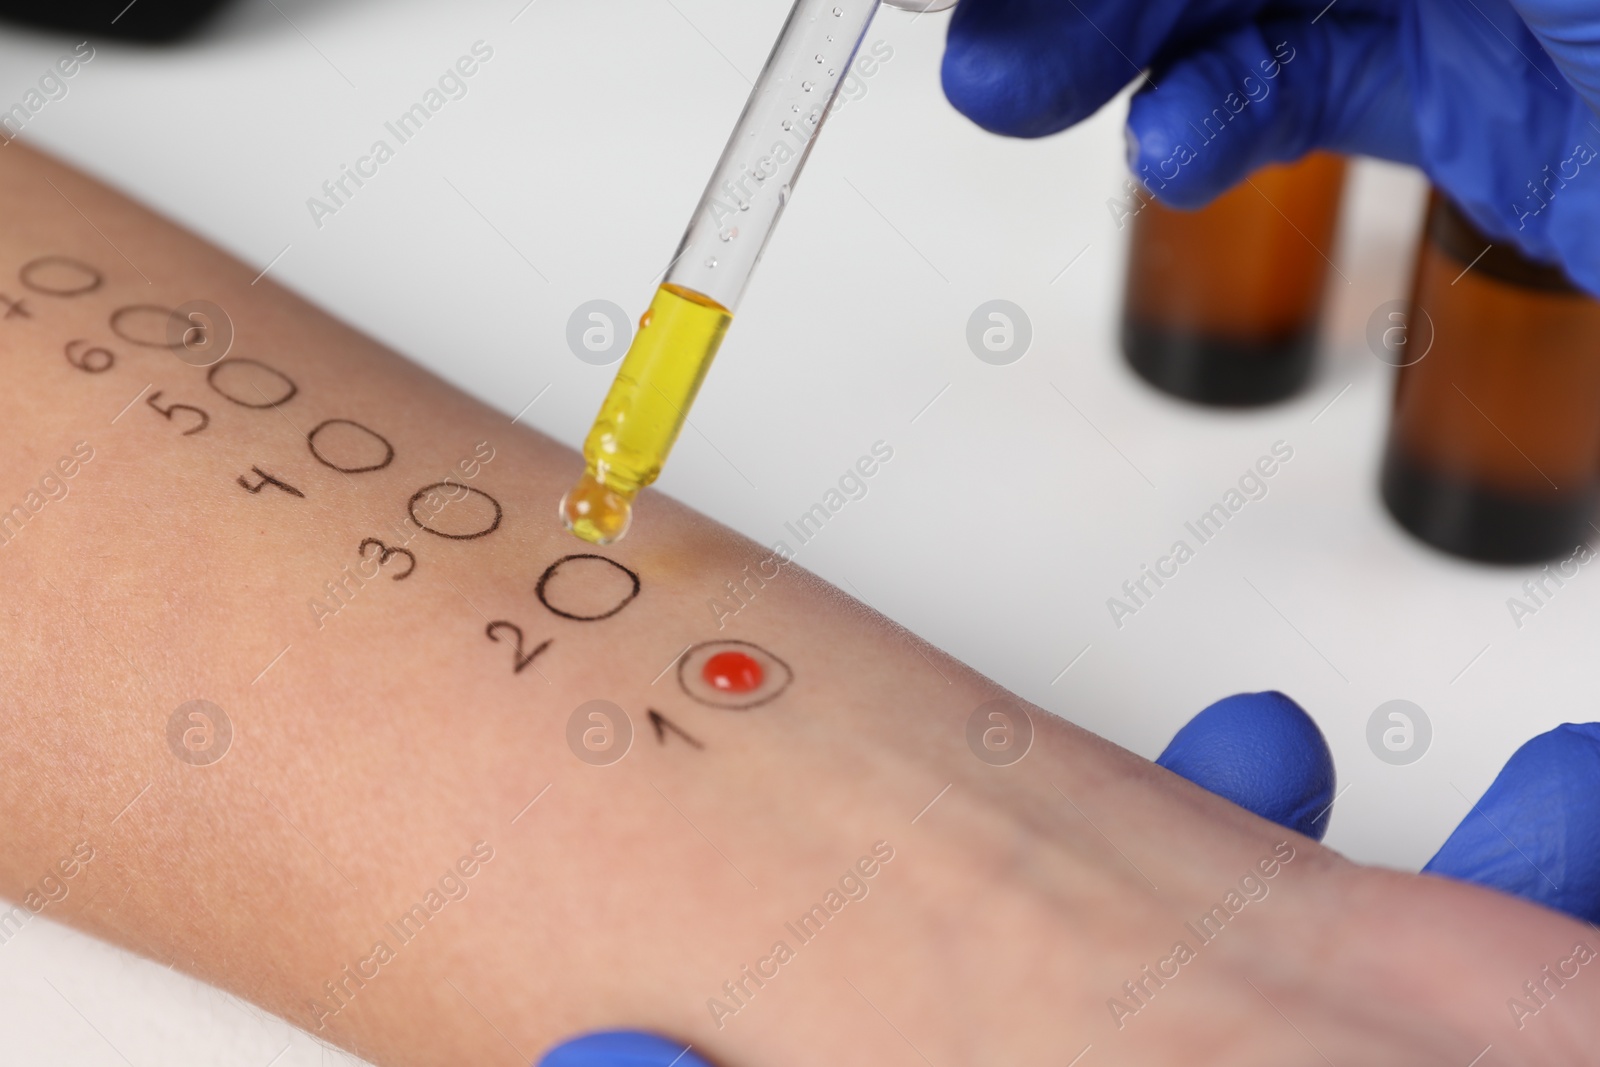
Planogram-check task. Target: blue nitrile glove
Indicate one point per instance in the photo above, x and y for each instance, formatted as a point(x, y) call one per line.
point(1536, 832)
point(1261, 751)
point(621, 1048)
point(1468, 91)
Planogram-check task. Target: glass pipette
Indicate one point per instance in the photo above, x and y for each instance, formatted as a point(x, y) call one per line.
point(680, 333)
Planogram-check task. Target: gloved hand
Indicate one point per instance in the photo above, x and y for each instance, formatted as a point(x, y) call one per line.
point(1535, 834)
point(1494, 99)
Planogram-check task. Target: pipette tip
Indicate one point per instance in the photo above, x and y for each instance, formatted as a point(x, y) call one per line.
point(595, 512)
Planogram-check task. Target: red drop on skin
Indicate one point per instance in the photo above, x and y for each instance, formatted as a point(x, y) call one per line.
point(732, 672)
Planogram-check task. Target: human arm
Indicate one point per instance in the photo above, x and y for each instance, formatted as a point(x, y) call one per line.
point(379, 752)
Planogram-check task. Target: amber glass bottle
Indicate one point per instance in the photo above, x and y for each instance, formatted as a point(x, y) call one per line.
point(1223, 304)
point(1494, 446)
point(164, 20)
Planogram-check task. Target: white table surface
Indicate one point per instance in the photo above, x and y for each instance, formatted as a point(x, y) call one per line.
point(575, 159)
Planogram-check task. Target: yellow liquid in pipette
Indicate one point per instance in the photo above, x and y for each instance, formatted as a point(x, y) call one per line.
point(644, 411)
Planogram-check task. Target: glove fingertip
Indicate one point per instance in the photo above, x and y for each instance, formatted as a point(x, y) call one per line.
point(1024, 73)
point(1536, 832)
point(1159, 153)
point(621, 1048)
point(1264, 753)
point(980, 81)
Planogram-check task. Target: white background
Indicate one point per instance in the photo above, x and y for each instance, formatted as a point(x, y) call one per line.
point(1008, 515)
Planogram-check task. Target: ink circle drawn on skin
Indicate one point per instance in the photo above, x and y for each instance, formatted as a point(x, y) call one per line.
point(242, 376)
point(144, 325)
point(85, 362)
point(732, 671)
point(542, 589)
point(28, 275)
point(773, 675)
point(451, 502)
point(355, 464)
